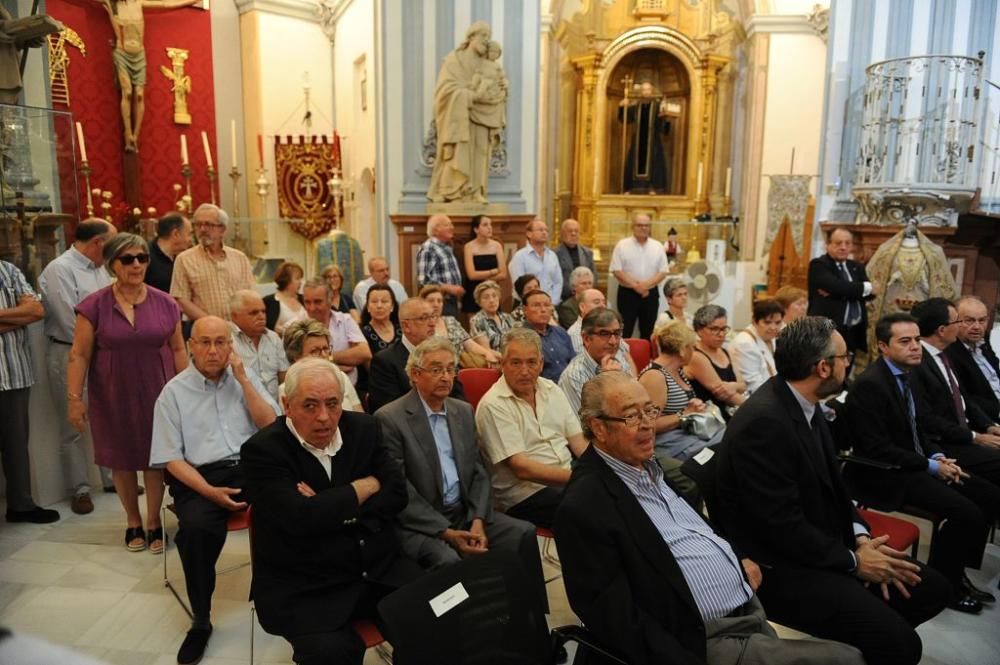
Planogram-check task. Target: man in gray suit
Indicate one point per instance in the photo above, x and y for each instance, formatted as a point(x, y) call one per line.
point(572, 254)
point(450, 511)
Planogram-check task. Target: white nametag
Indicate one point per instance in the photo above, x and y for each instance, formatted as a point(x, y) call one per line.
point(448, 599)
point(704, 456)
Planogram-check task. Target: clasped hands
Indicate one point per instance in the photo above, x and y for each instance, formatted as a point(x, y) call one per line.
point(880, 564)
point(468, 542)
point(949, 471)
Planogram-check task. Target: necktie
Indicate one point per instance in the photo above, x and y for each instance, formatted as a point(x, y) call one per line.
point(820, 452)
point(956, 394)
point(852, 316)
point(911, 411)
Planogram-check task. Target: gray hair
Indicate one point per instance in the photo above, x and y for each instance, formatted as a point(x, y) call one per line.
point(636, 215)
point(486, 285)
point(317, 283)
point(117, 244)
point(706, 314)
point(306, 368)
point(594, 397)
point(296, 333)
point(433, 222)
point(521, 336)
point(429, 345)
point(597, 318)
point(221, 215)
point(802, 344)
point(579, 273)
point(239, 299)
point(673, 285)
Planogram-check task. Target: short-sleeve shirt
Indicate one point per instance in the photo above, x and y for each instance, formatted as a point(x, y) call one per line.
point(267, 359)
point(638, 261)
point(15, 351)
point(344, 331)
point(209, 282)
point(507, 425)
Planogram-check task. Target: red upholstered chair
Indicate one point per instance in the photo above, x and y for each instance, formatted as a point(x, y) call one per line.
point(641, 352)
point(903, 535)
point(476, 381)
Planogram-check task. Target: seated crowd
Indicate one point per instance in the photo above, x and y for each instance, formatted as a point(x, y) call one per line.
point(268, 406)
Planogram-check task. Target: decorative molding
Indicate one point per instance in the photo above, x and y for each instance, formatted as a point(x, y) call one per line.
point(328, 13)
point(300, 9)
point(780, 23)
point(819, 19)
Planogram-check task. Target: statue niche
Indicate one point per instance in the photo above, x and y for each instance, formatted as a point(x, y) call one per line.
point(651, 91)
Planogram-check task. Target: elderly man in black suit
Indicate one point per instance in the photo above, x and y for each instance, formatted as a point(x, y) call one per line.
point(882, 416)
point(782, 500)
point(642, 568)
point(325, 492)
point(572, 255)
point(388, 380)
point(972, 357)
point(839, 287)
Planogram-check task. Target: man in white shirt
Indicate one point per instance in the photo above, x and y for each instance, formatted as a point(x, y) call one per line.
point(639, 263)
point(378, 273)
point(261, 349)
point(537, 259)
point(348, 347)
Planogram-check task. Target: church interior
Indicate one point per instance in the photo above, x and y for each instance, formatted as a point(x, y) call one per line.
point(333, 131)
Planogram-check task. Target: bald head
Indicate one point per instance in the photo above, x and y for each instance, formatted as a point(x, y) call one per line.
point(591, 299)
point(210, 346)
point(378, 268)
point(569, 232)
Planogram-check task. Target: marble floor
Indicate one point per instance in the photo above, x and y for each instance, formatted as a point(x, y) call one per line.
point(75, 584)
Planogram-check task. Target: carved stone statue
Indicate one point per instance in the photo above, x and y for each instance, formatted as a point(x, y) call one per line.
point(907, 268)
point(181, 81)
point(129, 56)
point(469, 112)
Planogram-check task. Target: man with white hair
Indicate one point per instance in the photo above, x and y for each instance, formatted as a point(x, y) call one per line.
point(436, 262)
point(261, 349)
point(572, 254)
point(325, 494)
point(581, 279)
point(535, 258)
point(207, 275)
point(378, 273)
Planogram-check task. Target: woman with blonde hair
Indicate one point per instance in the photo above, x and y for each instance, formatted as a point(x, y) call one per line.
point(794, 301)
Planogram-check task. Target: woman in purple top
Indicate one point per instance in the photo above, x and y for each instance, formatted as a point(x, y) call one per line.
point(127, 344)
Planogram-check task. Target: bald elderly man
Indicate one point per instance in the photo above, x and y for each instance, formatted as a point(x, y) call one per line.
point(378, 273)
point(436, 262)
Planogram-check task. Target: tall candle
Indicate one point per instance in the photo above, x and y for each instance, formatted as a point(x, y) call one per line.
point(700, 173)
point(232, 139)
point(208, 151)
point(184, 150)
point(83, 145)
point(729, 181)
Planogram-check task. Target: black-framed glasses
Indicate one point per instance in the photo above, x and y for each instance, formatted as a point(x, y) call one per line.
point(129, 259)
point(423, 319)
point(953, 323)
point(848, 357)
point(718, 330)
point(648, 414)
point(606, 334)
point(438, 371)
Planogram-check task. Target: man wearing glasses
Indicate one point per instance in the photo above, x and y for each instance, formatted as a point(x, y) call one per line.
point(201, 418)
point(781, 501)
point(602, 336)
point(643, 570)
point(207, 275)
point(450, 512)
point(972, 357)
point(388, 380)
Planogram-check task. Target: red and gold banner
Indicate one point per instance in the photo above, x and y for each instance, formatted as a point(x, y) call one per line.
point(304, 168)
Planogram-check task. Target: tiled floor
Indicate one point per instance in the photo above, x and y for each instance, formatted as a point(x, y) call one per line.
point(74, 583)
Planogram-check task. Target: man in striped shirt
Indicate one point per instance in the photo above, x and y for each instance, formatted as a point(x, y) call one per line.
point(642, 569)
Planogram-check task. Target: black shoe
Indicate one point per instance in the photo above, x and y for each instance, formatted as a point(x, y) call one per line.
point(972, 590)
point(965, 603)
point(35, 516)
point(193, 647)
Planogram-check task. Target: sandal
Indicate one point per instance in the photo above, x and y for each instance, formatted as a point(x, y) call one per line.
point(155, 540)
point(133, 534)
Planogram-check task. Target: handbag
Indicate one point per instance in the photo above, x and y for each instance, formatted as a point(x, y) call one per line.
point(705, 424)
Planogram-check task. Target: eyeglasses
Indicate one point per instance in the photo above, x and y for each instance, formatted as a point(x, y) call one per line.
point(848, 357)
point(718, 330)
point(423, 319)
point(129, 259)
point(606, 334)
point(648, 414)
point(438, 371)
point(319, 352)
point(952, 323)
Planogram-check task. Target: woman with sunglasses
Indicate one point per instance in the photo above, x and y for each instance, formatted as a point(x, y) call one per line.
point(127, 345)
point(714, 376)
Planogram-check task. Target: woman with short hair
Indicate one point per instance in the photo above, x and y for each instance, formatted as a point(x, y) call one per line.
point(753, 347)
point(713, 373)
point(311, 339)
point(470, 352)
point(675, 290)
point(489, 324)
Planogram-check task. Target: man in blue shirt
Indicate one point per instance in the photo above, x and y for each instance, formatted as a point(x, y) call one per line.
point(535, 258)
point(557, 348)
point(201, 419)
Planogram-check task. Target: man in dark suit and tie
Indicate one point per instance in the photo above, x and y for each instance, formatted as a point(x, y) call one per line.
point(972, 357)
point(881, 416)
point(642, 568)
point(388, 380)
point(782, 500)
point(450, 513)
point(839, 287)
point(324, 493)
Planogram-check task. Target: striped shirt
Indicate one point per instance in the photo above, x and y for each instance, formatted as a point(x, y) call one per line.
point(436, 264)
point(582, 369)
point(677, 397)
point(15, 351)
point(209, 282)
point(708, 563)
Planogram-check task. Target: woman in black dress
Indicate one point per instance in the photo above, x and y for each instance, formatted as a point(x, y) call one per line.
point(711, 370)
point(380, 318)
point(484, 259)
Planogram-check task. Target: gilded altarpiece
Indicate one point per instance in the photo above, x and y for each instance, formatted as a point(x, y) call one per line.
point(683, 51)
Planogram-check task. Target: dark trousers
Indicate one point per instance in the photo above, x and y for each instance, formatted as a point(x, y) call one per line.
point(977, 459)
point(341, 646)
point(539, 508)
point(14, 448)
point(201, 533)
point(837, 606)
point(634, 307)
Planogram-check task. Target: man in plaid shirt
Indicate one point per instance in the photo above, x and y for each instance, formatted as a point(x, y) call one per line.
point(436, 262)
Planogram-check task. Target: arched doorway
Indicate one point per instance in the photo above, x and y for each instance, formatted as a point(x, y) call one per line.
point(648, 98)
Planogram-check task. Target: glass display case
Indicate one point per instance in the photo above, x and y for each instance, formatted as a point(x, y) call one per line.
point(38, 185)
